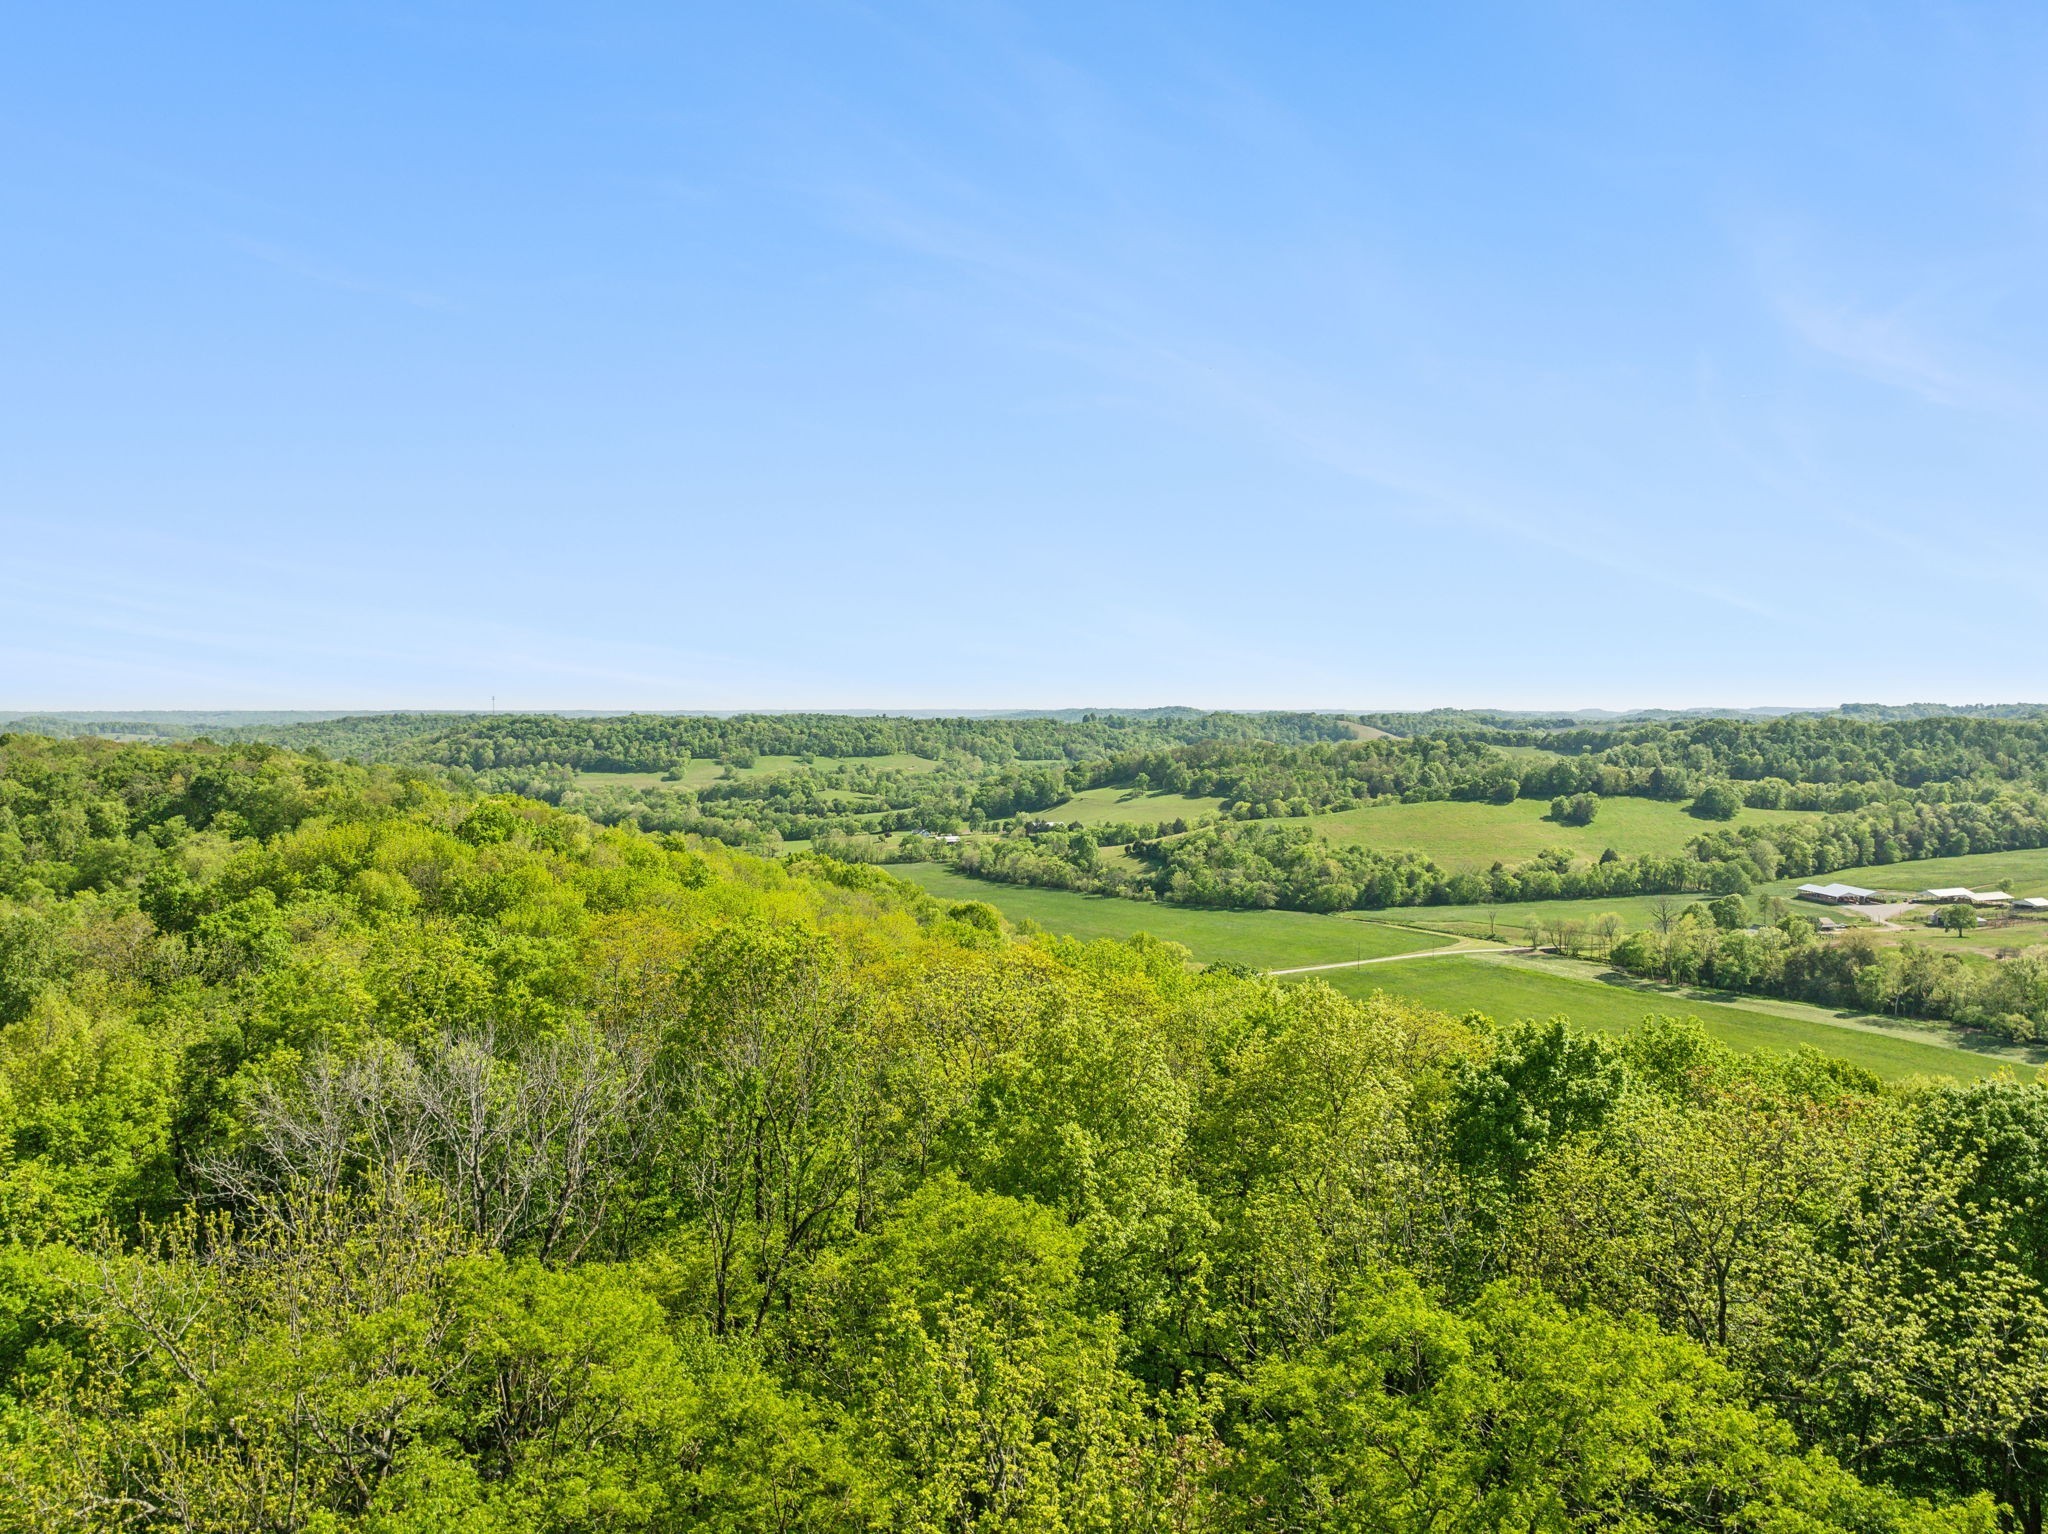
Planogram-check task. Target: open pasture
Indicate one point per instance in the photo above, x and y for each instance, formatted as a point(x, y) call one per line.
point(700, 772)
point(2015, 935)
point(1105, 806)
point(1505, 991)
point(1464, 836)
point(1263, 939)
point(1509, 921)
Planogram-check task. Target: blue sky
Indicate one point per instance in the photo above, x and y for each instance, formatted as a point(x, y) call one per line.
point(854, 355)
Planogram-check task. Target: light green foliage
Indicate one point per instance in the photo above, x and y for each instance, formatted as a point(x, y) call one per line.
point(984, 1386)
point(377, 1159)
point(1515, 1415)
point(1718, 801)
point(369, 1369)
point(1316, 1161)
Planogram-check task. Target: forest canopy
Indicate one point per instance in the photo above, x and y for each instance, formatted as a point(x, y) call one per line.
point(380, 1155)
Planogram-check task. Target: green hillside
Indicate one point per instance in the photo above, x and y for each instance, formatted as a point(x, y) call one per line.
point(2017, 873)
point(1464, 836)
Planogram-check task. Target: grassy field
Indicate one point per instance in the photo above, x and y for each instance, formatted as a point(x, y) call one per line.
point(2017, 873)
point(1509, 920)
point(1504, 991)
point(1101, 806)
point(698, 773)
point(1463, 836)
point(2028, 932)
point(1264, 939)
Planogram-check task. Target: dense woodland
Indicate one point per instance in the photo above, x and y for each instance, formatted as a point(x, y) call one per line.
point(1893, 783)
point(657, 742)
point(380, 1156)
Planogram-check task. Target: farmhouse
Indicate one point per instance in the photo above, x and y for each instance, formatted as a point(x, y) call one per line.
point(2031, 903)
point(1991, 897)
point(1835, 894)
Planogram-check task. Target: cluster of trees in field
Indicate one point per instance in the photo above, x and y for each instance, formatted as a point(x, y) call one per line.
point(381, 1159)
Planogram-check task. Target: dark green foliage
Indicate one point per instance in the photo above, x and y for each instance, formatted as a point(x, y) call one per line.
point(1718, 801)
point(656, 742)
point(1575, 809)
point(1539, 1083)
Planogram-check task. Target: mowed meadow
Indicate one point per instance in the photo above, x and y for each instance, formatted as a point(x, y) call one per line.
point(1612, 1005)
point(1113, 806)
point(1511, 921)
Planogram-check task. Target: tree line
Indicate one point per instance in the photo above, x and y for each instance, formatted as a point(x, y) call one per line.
point(657, 742)
point(1717, 945)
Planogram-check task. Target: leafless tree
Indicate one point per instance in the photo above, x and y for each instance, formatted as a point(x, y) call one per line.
point(1606, 928)
point(527, 1147)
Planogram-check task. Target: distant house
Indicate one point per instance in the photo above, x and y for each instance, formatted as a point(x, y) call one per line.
point(1835, 894)
point(1991, 897)
point(1829, 924)
point(2031, 903)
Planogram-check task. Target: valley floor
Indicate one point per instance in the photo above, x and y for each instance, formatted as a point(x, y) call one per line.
point(1469, 972)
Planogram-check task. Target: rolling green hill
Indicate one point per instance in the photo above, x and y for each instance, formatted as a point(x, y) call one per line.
point(1466, 836)
point(1104, 806)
